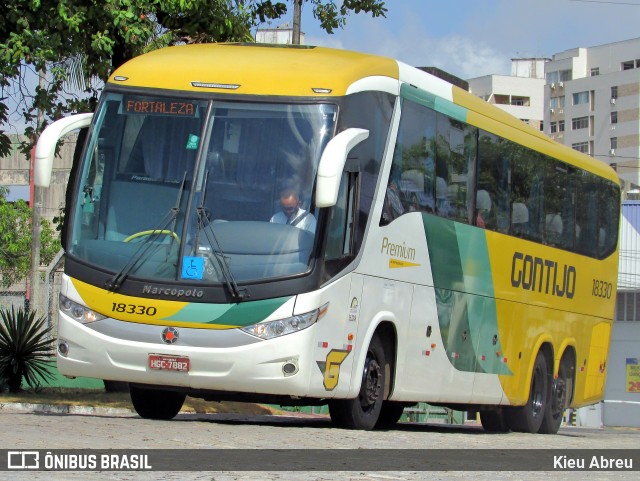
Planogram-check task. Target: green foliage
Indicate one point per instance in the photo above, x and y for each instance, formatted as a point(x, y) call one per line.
point(56, 37)
point(15, 241)
point(26, 348)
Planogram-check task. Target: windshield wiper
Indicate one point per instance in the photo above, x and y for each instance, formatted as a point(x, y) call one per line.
point(205, 225)
point(144, 247)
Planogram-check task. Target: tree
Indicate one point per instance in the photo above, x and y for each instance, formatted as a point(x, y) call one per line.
point(15, 241)
point(78, 43)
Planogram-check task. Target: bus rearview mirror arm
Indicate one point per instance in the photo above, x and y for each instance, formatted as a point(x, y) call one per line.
point(46, 147)
point(332, 164)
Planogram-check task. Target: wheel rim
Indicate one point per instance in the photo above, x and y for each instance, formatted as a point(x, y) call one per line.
point(371, 378)
point(559, 393)
point(538, 391)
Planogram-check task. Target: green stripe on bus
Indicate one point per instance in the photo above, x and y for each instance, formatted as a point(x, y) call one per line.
point(465, 299)
point(434, 102)
point(232, 315)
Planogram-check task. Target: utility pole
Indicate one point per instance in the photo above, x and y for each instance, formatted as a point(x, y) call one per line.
point(36, 215)
point(297, 13)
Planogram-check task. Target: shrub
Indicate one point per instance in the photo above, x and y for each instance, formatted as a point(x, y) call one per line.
point(26, 348)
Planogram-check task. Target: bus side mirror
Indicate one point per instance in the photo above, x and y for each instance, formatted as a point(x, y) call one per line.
point(332, 164)
point(46, 147)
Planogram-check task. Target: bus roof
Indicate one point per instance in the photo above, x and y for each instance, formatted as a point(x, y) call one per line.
point(499, 122)
point(256, 69)
point(307, 71)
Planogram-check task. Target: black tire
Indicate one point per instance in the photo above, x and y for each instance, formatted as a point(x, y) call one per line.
point(528, 418)
point(494, 421)
point(363, 412)
point(156, 403)
point(559, 396)
point(390, 414)
point(116, 386)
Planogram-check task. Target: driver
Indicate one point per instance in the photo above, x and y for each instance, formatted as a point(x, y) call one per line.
point(292, 213)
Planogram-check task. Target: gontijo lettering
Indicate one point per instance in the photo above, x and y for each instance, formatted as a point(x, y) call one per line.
point(543, 275)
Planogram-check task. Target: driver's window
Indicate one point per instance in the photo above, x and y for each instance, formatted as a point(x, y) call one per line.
point(341, 220)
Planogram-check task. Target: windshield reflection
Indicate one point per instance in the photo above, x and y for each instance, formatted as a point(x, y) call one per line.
point(212, 192)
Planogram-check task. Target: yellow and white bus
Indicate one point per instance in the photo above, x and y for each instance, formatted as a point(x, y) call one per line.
point(307, 226)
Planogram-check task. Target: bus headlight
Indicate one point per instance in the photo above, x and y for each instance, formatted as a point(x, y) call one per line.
point(289, 325)
point(79, 312)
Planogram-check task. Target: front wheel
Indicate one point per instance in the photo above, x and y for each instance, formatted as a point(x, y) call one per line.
point(156, 403)
point(390, 414)
point(363, 412)
point(528, 418)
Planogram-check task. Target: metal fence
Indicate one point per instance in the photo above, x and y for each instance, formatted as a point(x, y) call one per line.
point(47, 304)
point(13, 298)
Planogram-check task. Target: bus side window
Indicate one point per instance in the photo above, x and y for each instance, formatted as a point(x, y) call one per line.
point(609, 218)
point(519, 220)
point(455, 160)
point(411, 184)
point(493, 178)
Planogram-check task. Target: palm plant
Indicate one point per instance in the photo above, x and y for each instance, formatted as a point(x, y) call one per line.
point(25, 348)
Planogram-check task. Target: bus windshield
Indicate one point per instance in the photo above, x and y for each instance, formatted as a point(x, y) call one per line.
point(199, 190)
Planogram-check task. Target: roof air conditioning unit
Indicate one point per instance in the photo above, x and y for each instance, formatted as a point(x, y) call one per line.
point(553, 85)
point(613, 101)
point(553, 111)
point(561, 111)
point(561, 84)
point(612, 151)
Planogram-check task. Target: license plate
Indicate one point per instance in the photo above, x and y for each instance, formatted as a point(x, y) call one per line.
point(168, 363)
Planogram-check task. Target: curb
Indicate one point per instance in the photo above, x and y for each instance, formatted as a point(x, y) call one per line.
point(62, 409)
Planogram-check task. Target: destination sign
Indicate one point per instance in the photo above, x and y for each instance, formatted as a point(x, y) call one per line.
point(147, 106)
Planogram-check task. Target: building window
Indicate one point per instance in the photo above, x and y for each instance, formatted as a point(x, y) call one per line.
point(581, 98)
point(579, 123)
point(628, 305)
point(628, 65)
point(558, 76)
point(614, 92)
point(595, 71)
point(557, 102)
point(614, 117)
point(613, 143)
point(581, 147)
point(521, 101)
point(553, 127)
point(560, 125)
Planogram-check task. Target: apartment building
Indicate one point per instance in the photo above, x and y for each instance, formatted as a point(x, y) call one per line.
point(592, 104)
point(521, 94)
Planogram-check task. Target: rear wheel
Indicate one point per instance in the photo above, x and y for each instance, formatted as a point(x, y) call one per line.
point(363, 412)
point(494, 421)
point(559, 397)
point(528, 418)
point(156, 403)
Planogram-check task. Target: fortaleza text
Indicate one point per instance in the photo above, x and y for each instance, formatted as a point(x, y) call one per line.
point(593, 462)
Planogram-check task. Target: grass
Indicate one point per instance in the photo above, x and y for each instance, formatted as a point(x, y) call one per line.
point(102, 398)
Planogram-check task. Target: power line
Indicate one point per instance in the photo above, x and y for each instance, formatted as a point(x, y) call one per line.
point(605, 1)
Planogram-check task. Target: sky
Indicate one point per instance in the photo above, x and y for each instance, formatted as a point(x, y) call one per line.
point(472, 38)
